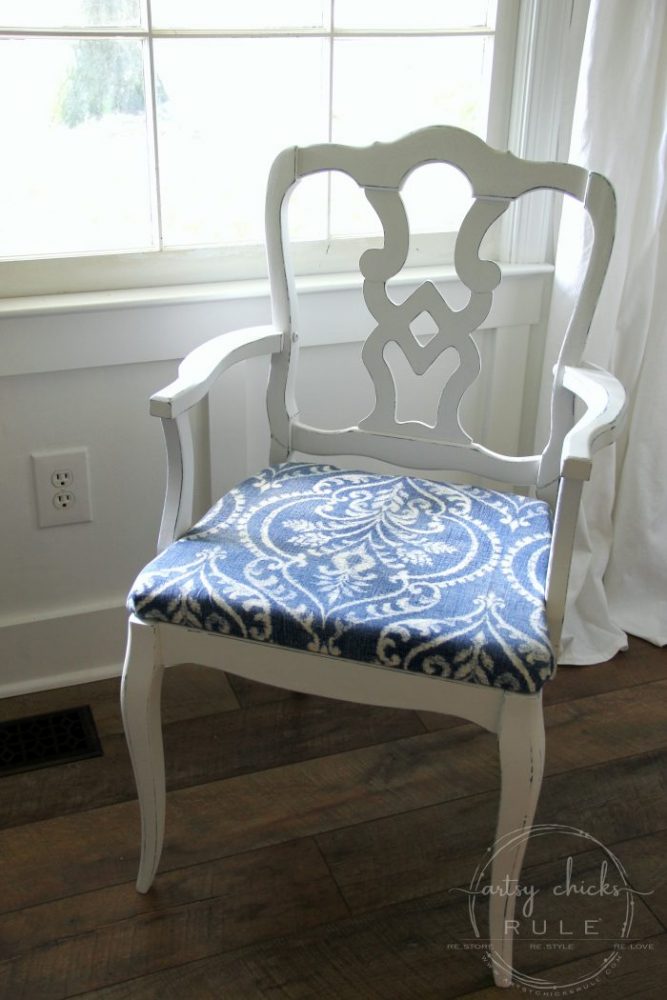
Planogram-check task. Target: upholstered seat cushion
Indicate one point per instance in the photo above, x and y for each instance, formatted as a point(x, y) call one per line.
point(391, 570)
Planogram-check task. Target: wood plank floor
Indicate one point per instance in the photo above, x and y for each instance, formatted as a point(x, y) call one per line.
point(312, 846)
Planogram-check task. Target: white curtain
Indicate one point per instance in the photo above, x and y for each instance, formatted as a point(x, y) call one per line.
point(619, 575)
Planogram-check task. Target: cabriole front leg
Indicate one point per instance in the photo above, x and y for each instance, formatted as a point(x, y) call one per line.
point(140, 704)
point(521, 746)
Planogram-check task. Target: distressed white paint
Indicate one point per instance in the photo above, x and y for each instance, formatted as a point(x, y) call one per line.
point(496, 179)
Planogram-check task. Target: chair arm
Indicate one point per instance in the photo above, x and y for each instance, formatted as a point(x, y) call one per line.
point(606, 405)
point(196, 374)
point(201, 367)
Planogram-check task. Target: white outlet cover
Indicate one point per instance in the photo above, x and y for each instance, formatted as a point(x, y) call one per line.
point(44, 465)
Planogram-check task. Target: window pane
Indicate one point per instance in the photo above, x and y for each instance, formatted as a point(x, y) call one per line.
point(75, 152)
point(232, 14)
point(442, 81)
point(226, 107)
point(416, 14)
point(436, 199)
point(413, 82)
point(68, 13)
point(351, 212)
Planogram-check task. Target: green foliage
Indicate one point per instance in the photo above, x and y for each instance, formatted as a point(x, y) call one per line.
point(107, 74)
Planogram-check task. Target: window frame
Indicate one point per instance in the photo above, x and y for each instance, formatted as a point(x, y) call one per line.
point(520, 25)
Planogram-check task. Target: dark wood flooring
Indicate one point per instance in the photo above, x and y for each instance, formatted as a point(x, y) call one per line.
point(312, 845)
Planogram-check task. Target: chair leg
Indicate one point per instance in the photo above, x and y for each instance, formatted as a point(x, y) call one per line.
point(140, 705)
point(521, 744)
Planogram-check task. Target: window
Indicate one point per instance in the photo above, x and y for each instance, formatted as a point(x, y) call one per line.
point(140, 132)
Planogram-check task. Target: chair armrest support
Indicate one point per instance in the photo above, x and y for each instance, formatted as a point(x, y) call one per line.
point(606, 405)
point(196, 375)
point(605, 401)
point(201, 367)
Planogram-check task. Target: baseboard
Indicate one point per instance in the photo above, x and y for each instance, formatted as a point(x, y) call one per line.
point(60, 649)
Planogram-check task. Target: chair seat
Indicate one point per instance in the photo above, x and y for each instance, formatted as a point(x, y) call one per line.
point(395, 571)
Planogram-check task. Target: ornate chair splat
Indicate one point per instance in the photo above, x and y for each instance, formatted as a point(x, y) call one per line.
point(453, 327)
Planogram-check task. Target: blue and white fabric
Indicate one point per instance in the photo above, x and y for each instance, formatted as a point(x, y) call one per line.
point(395, 571)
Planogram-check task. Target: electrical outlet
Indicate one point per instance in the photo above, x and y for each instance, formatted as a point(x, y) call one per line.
point(62, 478)
point(62, 487)
point(63, 499)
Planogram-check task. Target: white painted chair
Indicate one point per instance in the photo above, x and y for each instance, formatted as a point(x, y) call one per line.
point(390, 590)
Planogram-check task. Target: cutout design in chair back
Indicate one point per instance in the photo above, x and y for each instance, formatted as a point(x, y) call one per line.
point(496, 179)
point(454, 328)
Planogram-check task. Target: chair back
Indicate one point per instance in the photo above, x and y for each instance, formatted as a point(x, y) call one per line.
point(496, 179)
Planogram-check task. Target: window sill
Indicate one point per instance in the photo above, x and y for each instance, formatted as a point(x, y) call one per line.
point(133, 298)
point(49, 333)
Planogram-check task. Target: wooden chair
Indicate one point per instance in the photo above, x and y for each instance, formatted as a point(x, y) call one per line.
point(391, 590)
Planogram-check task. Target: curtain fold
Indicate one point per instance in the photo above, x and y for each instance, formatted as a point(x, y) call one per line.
point(619, 574)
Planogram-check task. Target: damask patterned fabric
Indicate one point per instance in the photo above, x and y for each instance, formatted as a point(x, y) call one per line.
point(391, 570)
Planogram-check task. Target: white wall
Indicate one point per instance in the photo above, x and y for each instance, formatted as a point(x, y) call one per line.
point(80, 371)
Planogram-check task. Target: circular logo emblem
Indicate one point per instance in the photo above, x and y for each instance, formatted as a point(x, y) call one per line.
point(571, 914)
